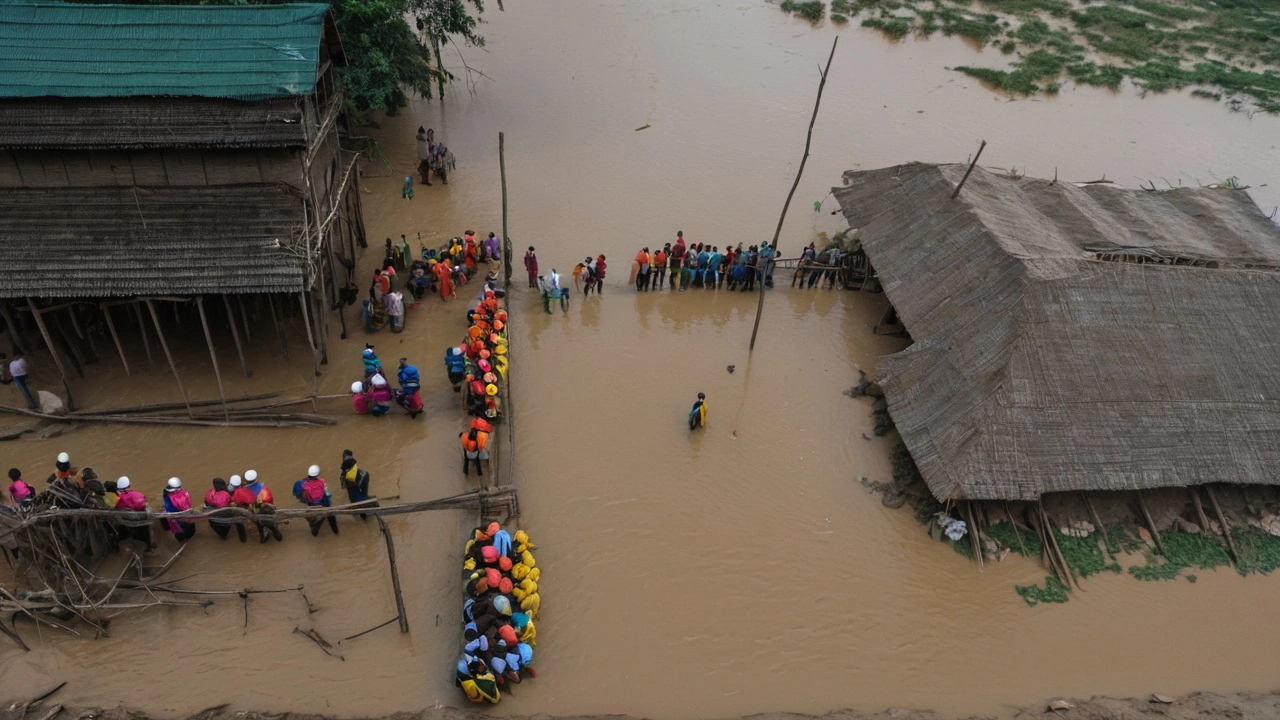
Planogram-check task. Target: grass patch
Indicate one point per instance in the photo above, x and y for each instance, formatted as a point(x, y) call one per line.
point(810, 10)
point(1084, 555)
point(843, 7)
point(979, 28)
point(1026, 75)
point(1003, 533)
point(1090, 73)
point(838, 18)
point(1182, 551)
point(1056, 8)
point(1259, 551)
point(1052, 592)
point(895, 28)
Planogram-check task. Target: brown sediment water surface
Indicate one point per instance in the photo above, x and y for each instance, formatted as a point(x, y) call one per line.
point(741, 569)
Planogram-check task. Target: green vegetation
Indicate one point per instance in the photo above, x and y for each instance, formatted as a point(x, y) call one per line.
point(1259, 551)
point(1225, 50)
point(811, 10)
point(837, 17)
point(1003, 533)
point(1052, 592)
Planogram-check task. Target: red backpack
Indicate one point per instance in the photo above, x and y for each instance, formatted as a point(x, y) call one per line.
point(313, 491)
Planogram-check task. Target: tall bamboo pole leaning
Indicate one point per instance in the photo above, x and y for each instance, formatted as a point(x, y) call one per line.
point(782, 218)
point(506, 239)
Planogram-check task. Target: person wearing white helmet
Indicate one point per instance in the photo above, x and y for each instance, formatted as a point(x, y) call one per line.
point(131, 499)
point(360, 398)
point(62, 471)
point(177, 499)
point(312, 492)
point(255, 496)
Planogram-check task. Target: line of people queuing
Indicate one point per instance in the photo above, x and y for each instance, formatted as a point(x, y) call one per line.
point(440, 269)
point(477, 367)
point(374, 395)
point(500, 586)
point(69, 487)
point(688, 265)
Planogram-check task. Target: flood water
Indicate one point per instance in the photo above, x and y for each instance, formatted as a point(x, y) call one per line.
point(740, 570)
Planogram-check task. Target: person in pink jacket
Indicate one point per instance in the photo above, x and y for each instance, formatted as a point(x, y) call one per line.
point(132, 500)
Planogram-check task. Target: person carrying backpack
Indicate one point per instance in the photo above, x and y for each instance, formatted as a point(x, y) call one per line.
point(312, 492)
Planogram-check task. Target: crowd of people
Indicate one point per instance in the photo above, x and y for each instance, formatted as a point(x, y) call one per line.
point(69, 487)
point(374, 395)
point(681, 265)
point(477, 367)
point(500, 585)
point(441, 270)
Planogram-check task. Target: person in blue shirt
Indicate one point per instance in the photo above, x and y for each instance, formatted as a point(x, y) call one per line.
point(714, 261)
point(456, 365)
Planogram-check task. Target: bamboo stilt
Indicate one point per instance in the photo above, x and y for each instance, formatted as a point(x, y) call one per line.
point(395, 574)
point(204, 323)
point(315, 358)
point(1014, 523)
point(44, 332)
point(14, 332)
point(142, 328)
point(235, 334)
point(168, 356)
point(115, 337)
point(244, 316)
point(1151, 524)
point(77, 358)
point(275, 318)
point(1226, 529)
point(1093, 512)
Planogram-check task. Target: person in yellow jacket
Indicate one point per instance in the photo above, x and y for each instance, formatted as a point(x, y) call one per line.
point(698, 415)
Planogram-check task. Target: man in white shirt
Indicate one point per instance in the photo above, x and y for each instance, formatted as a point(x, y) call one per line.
point(18, 369)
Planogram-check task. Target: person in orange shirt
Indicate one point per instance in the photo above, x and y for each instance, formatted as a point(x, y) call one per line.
point(660, 266)
point(642, 278)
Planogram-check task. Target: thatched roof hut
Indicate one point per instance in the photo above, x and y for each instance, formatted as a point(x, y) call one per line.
point(1074, 337)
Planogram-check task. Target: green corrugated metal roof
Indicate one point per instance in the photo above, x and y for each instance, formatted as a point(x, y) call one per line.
point(249, 52)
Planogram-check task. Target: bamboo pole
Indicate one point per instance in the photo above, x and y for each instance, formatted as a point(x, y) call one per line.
point(1014, 524)
point(506, 241)
point(44, 332)
point(235, 334)
point(177, 406)
point(244, 316)
point(781, 218)
point(1151, 524)
point(1222, 518)
point(275, 318)
point(315, 359)
point(14, 332)
point(115, 337)
point(160, 333)
point(142, 328)
point(395, 574)
point(973, 164)
point(1093, 512)
point(204, 323)
point(77, 358)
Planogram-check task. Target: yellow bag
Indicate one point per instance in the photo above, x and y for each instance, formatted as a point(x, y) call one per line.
point(531, 604)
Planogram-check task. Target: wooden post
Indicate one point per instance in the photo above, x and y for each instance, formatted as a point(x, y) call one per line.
point(142, 328)
point(781, 218)
point(337, 293)
point(395, 573)
point(14, 332)
point(77, 358)
point(44, 332)
point(1226, 529)
point(1151, 524)
point(284, 345)
point(971, 166)
point(235, 334)
point(315, 358)
point(151, 308)
point(204, 323)
point(506, 242)
point(106, 313)
point(244, 315)
point(1093, 512)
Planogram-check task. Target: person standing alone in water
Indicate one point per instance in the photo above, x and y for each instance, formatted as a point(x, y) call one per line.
point(698, 415)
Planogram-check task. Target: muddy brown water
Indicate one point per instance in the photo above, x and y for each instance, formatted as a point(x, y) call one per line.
point(740, 570)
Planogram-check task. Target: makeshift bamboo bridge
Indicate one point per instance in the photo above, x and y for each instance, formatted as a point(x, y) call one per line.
point(55, 552)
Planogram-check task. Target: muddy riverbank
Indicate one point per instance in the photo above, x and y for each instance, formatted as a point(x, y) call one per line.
point(739, 571)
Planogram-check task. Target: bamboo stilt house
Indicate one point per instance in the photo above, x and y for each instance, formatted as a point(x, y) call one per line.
point(1074, 337)
point(152, 152)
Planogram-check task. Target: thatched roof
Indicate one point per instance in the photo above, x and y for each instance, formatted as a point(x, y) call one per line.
point(125, 241)
point(1044, 359)
point(133, 123)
